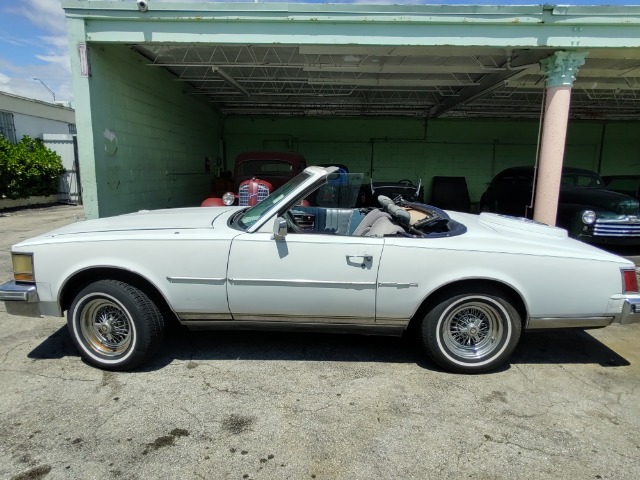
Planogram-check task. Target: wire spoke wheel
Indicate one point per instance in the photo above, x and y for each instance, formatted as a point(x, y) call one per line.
point(115, 325)
point(472, 330)
point(106, 327)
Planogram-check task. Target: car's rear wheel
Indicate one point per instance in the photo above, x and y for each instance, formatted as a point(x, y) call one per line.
point(114, 325)
point(471, 331)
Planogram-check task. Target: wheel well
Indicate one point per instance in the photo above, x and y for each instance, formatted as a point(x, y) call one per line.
point(81, 279)
point(470, 285)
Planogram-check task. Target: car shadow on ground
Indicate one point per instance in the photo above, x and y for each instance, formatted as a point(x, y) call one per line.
point(55, 346)
point(565, 346)
point(552, 347)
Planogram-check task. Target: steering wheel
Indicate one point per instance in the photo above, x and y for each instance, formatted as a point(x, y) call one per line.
point(406, 181)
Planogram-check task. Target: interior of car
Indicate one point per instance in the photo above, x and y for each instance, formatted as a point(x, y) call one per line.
point(393, 218)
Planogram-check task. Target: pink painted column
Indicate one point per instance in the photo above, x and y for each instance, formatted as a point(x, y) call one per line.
point(560, 70)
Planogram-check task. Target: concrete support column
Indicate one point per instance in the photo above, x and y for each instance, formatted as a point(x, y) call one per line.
point(560, 70)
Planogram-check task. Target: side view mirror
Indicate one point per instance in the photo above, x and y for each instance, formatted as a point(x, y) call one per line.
point(279, 228)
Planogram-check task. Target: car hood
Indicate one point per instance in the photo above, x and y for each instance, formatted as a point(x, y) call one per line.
point(144, 220)
point(599, 197)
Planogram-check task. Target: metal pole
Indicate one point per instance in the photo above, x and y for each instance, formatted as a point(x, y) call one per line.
point(45, 86)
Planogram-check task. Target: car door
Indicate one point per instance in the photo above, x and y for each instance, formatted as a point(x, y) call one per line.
point(303, 278)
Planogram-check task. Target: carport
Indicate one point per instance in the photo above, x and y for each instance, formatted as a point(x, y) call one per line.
point(394, 91)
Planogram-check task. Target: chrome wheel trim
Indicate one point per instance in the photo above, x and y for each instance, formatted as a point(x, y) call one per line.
point(473, 329)
point(106, 327)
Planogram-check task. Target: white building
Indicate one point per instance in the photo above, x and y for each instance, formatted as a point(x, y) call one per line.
point(21, 116)
point(54, 123)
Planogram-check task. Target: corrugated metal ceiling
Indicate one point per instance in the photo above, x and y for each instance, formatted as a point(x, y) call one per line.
point(404, 80)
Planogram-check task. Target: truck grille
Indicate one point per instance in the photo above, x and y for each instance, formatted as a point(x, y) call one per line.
point(627, 227)
point(244, 195)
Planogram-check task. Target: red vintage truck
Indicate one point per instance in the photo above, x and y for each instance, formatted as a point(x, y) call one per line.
point(256, 175)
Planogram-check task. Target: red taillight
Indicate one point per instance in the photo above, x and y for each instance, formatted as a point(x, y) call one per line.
point(630, 281)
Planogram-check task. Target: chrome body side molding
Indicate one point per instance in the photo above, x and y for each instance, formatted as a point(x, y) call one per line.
point(300, 282)
point(393, 321)
point(266, 318)
point(572, 322)
point(397, 284)
point(197, 280)
point(196, 316)
point(393, 330)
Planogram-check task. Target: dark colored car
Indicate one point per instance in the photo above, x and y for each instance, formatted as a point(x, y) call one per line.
point(627, 184)
point(586, 208)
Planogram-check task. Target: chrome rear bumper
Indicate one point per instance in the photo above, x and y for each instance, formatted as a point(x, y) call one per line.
point(630, 311)
point(622, 309)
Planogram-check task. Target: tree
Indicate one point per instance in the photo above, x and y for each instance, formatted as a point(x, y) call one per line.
point(28, 168)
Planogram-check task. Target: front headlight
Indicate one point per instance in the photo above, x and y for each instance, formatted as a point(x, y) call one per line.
point(588, 217)
point(228, 198)
point(22, 267)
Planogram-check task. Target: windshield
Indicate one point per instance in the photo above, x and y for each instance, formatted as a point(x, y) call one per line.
point(252, 215)
point(340, 191)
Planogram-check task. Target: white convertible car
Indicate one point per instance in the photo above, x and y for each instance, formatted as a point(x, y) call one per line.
point(466, 285)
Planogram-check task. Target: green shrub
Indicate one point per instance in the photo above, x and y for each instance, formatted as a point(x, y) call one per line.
point(28, 168)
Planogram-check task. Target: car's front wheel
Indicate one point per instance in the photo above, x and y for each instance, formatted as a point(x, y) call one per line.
point(114, 325)
point(471, 331)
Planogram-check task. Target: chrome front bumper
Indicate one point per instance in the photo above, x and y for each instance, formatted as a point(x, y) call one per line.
point(20, 299)
point(18, 292)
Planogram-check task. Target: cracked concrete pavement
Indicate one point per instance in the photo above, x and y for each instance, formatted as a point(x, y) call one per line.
point(238, 405)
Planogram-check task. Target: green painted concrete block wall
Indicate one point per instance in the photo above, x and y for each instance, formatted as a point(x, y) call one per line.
point(621, 148)
point(150, 138)
point(398, 148)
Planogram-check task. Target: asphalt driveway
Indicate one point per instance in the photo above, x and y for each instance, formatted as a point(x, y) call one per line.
point(237, 405)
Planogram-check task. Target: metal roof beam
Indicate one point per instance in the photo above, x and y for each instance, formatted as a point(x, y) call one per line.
point(400, 69)
point(397, 51)
point(490, 82)
point(230, 80)
point(391, 82)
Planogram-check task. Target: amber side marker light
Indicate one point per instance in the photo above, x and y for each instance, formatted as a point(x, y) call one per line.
point(22, 267)
point(630, 281)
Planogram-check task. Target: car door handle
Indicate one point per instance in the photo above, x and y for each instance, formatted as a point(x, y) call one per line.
point(359, 259)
